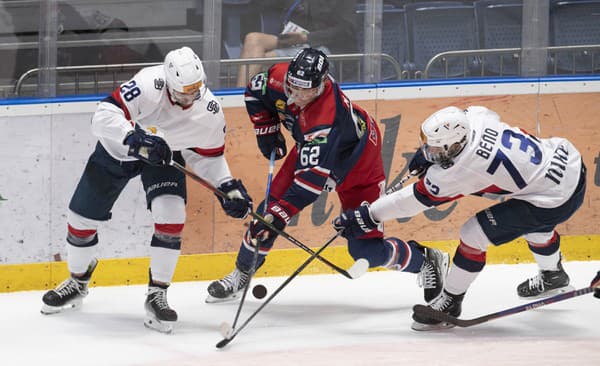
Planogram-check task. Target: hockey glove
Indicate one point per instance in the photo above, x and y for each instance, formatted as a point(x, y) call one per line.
point(148, 147)
point(259, 232)
point(596, 283)
point(239, 203)
point(419, 164)
point(356, 223)
point(269, 137)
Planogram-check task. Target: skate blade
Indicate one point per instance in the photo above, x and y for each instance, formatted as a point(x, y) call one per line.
point(161, 326)
point(553, 292)
point(49, 310)
point(420, 327)
point(216, 300)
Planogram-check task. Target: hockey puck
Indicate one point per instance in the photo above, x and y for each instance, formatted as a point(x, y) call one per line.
point(259, 291)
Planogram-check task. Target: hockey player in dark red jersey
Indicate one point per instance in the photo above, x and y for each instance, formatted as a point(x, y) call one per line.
point(338, 147)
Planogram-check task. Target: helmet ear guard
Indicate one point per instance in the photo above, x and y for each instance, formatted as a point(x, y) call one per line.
point(444, 135)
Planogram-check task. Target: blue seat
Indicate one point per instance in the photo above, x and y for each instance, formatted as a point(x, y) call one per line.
point(393, 34)
point(575, 23)
point(438, 26)
point(499, 24)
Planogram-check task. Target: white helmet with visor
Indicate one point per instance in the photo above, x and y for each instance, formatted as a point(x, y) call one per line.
point(444, 135)
point(185, 77)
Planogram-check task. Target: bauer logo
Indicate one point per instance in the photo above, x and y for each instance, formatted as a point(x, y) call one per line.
point(161, 185)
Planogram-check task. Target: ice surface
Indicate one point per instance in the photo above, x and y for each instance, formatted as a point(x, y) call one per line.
point(315, 320)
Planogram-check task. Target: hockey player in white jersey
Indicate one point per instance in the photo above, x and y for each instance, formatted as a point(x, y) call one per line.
point(472, 152)
point(164, 113)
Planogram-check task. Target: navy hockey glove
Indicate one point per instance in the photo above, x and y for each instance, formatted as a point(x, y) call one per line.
point(150, 148)
point(269, 137)
point(596, 283)
point(260, 232)
point(356, 223)
point(239, 203)
point(419, 164)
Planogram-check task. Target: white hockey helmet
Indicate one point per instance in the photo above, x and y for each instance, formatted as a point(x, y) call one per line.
point(443, 136)
point(185, 77)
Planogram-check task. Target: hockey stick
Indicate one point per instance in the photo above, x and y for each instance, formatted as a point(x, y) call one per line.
point(399, 185)
point(229, 333)
point(359, 267)
point(256, 245)
point(426, 311)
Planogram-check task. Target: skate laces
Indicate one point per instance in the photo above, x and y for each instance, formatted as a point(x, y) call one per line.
point(235, 280)
point(159, 297)
point(441, 302)
point(427, 278)
point(536, 282)
point(69, 286)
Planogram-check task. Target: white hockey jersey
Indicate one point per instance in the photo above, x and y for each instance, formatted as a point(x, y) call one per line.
point(498, 159)
point(198, 131)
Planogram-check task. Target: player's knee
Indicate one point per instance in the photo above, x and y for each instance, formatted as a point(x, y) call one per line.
point(81, 231)
point(254, 39)
point(473, 236)
point(543, 243)
point(541, 238)
point(372, 250)
point(168, 209)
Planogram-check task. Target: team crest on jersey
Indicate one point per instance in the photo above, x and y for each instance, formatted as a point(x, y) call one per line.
point(280, 106)
point(159, 83)
point(213, 107)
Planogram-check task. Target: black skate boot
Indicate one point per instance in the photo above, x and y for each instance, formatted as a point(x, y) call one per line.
point(69, 294)
point(228, 288)
point(159, 315)
point(546, 283)
point(433, 272)
point(445, 302)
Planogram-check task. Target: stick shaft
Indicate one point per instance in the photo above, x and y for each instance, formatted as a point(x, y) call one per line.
point(281, 287)
point(258, 217)
point(441, 316)
point(255, 254)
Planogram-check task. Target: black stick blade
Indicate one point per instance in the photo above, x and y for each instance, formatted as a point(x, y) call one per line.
point(224, 342)
point(427, 312)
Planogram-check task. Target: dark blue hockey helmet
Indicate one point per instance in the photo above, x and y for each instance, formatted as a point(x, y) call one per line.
point(308, 69)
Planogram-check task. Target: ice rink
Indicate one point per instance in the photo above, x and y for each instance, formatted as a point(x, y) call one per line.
point(315, 320)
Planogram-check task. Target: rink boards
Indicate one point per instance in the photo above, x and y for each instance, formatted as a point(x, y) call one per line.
point(43, 175)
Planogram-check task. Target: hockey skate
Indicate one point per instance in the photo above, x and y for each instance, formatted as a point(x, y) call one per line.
point(228, 288)
point(433, 272)
point(69, 294)
point(546, 283)
point(445, 302)
point(159, 315)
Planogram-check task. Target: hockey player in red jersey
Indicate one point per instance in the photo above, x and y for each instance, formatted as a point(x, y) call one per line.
point(338, 148)
point(163, 113)
point(472, 152)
